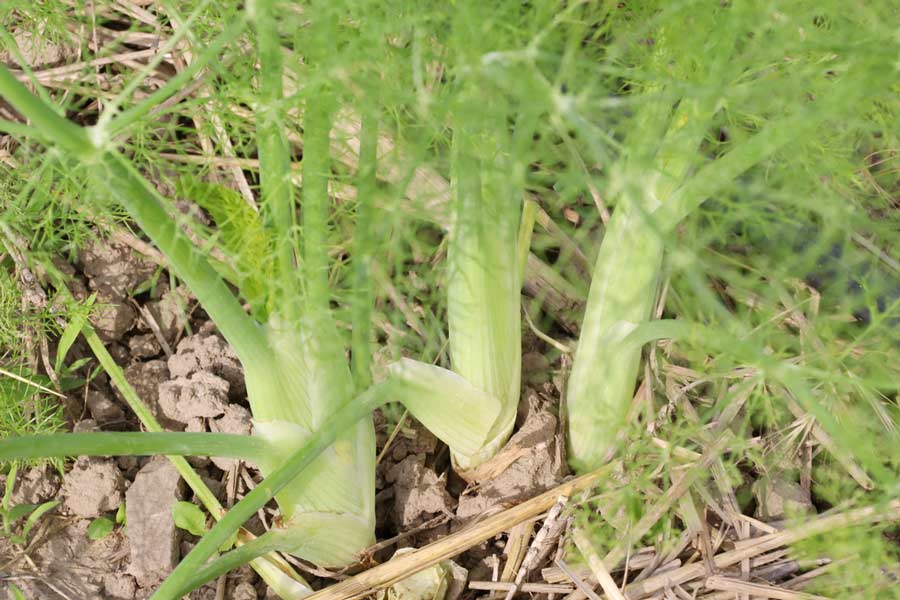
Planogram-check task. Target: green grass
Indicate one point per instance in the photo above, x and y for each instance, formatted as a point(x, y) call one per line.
point(27, 403)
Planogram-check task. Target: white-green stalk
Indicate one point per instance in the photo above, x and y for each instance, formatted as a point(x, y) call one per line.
point(328, 513)
point(625, 279)
point(473, 408)
point(655, 191)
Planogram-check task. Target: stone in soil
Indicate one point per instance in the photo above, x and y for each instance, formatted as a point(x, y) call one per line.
point(200, 395)
point(102, 408)
point(419, 493)
point(35, 486)
point(209, 352)
point(152, 535)
point(93, 487)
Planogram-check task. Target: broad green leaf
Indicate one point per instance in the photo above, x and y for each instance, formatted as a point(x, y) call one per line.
point(460, 414)
point(19, 511)
point(100, 528)
point(190, 517)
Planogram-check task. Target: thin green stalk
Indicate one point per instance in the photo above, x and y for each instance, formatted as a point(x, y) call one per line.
point(274, 153)
point(146, 207)
point(293, 466)
point(133, 443)
point(52, 126)
point(316, 173)
point(363, 241)
point(270, 541)
point(142, 201)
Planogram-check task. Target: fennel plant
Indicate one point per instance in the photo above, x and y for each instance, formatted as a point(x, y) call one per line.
point(668, 112)
point(705, 124)
point(296, 370)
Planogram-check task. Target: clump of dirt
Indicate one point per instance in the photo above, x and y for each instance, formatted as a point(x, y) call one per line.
point(145, 378)
point(779, 497)
point(208, 352)
point(152, 534)
point(144, 345)
point(114, 268)
point(113, 271)
point(102, 408)
point(202, 395)
point(420, 494)
point(412, 479)
point(73, 566)
point(207, 382)
point(94, 486)
point(168, 314)
point(36, 486)
point(36, 50)
point(113, 317)
point(244, 591)
point(235, 420)
point(531, 462)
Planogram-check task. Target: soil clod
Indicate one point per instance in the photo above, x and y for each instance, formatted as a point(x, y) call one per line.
point(152, 533)
point(93, 487)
